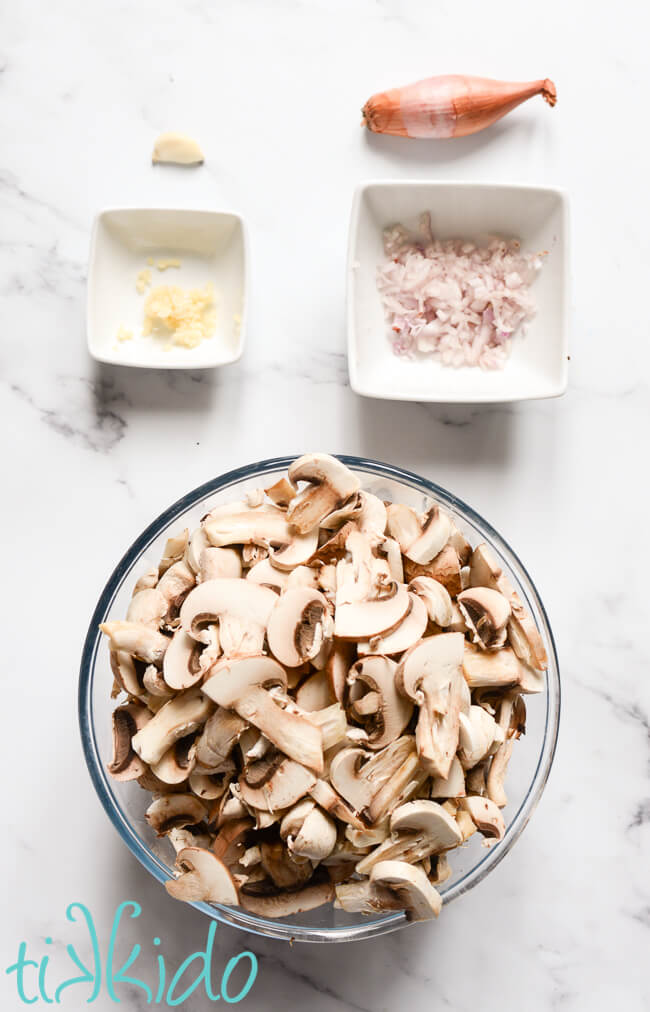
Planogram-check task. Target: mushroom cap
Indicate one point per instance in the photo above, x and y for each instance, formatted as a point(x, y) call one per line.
point(147, 607)
point(376, 674)
point(176, 582)
point(486, 613)
point(421, 901)
point(219, 564)
point(203, 878)
point(127, 720)
point(429, 819)
point(435, 597)
point(361, 620)
point(218, 738)
point(266, 574)
point(434, 535)
point(238, 524)
point(139, 640)
point(284, 783)
point(315, 693)
point(246, 601)
point(477, 733)
point(182, 661)
point(403, 525)
point(299, 625)
point(178, 761)
point(232, 678)
point(297, 551)
point(405, 635)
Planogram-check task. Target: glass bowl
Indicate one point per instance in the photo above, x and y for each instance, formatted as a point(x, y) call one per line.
point(125, 803)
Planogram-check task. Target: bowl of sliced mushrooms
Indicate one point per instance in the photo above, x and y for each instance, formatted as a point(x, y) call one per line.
point(319, 698)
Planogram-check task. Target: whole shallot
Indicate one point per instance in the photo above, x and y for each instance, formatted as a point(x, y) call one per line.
point(450, 106)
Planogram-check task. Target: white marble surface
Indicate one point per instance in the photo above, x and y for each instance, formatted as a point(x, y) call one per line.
point(91, 454)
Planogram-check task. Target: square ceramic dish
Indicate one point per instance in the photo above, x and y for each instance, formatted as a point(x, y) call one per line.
point(211, 246)
point(538, 216)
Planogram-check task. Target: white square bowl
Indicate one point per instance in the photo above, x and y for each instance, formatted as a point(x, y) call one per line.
point(538, 216)
point(211, 246)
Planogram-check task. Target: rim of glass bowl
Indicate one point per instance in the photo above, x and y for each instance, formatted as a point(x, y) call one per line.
point(233, 915)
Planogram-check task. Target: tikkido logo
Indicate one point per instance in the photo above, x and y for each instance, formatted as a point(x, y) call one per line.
point(34, 983)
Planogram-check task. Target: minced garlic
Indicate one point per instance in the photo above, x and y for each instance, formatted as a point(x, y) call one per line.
point(124, 334)
point(162, 265)
point(143, 280)
point(187, 317)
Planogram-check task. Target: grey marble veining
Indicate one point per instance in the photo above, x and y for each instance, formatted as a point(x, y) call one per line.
point(92, 453)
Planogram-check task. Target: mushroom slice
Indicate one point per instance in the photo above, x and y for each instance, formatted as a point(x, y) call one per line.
point(220, 734)
point(430, 674)
point(174, 551)
point(241, 608)
point(486, 816)
point(230, 842)
point(478, 733)
point(390, 550)
point(315, 693)
point(241, 685)
point(308, 831)
point(361, 620)
point(177, 149)
point(147, 607)
point(299, 626)
point(324, 795)
point(299, 550)
point(175, 583)
point(410, 884)
point(144, 582)
point(281, 493)
point(136, 639)
point(267, 575)
point(182, 661)
point(403, 636)
point(127, 721)
point(285, 904)
point(418, 829)
point(281, 783)
point(523, 634)
point(360, 776)
point(240, 525)
point(186, 837)
point(403, 525)
point(445, 568)
point(173, 811)
point(337, 667)
point(434, 534)
point(360, 896)
point(185, 713)
point(435, 598)
point(177, 762)
point(486, 613)
point(203, 877)
point(451, 786)
point(330, 484)
point(390, 712)
point(281, 867)
point(207, 786)
point(493, 669)
point(219, 564)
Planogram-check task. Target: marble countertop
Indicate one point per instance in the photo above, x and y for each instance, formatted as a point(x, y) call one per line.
point(91, 454)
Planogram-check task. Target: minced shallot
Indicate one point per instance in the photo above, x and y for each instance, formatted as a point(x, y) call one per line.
point(455, 299)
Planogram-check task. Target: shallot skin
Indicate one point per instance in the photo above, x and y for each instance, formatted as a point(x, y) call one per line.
point(453, 105)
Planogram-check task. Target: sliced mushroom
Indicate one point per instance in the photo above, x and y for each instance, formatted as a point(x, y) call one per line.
point(299, 627)
point(286, 904)
point(523, 634)
point(324, 795)
point(173, 811)
point(433, 535)
point(178, 761)
point(283, 782)
point(127, 721)
point(241, 608)
point(281, 493)
point(430, 674)
point(408, 882)
point(208, 786)
point(436, 598)
point(182, 661)
point(219, 564)
point(390, 712)
point(296, 552)
point(136, 639)
point(486, 613)
point(485, 815)
point(240, 525)
point(493, 669)
point(144, 582)
point(175, 584)
point(281, 867)
point(240, 684)
point(451, 786)
point(362, 620)
point(478, 733)
point(174, 551)
point(445, 568)
point(330, 483)
point(309, 832)
point(155, 685)
point(185, 713)
point(218, 738)
point(361, 896)
point(147, 607)
point(418, 829)
point(203, 877)
point(315, 693)
point(403, 636)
